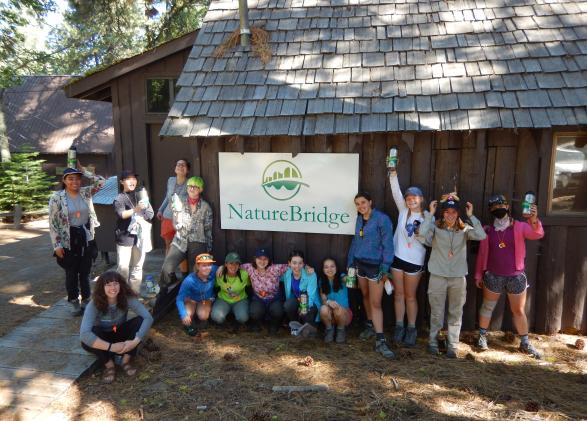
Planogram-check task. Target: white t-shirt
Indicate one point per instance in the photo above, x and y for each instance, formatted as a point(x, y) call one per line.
point(406, 246)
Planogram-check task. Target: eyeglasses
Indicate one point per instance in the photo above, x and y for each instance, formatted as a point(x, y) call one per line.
point(180, 164)
point(193, 187)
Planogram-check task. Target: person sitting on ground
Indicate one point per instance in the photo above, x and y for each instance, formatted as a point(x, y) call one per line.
point(196, 295)
point(294, 282)
point(232, 283)
point(500, 267)
point(335, 311)
point(105, 329)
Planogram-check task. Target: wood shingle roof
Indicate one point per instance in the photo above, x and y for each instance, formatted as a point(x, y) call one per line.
point(359, 66)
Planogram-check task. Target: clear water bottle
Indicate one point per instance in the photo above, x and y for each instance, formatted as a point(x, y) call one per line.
point(176, 203)
point(143, 197)
point(392, 159)
point(72, 157)
point(529, 200)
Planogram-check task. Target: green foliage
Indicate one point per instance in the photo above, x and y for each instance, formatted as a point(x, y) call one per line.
point(15, 59)
point(98, 33)
point(22, 180)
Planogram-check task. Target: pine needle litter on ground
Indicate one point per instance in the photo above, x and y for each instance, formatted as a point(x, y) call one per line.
point(232, 376)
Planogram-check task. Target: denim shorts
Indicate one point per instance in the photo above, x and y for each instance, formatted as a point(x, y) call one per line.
point(369, 271)
point(407, 267)
point(511, 284)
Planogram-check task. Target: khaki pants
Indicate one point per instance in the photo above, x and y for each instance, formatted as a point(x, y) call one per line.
point(130, 265)
point(439, 287)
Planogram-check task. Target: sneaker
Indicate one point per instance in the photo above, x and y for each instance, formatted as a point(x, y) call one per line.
point(432, 349)
point(368, 333)
point(398, 334)
point(482, 343)
point(451, 353)
point(527, 348)
point(75, 309)
point(383, 349)
point(340, 335)
point(84, 304)
point(329, 336)
point(295, 327)
point(410, 337)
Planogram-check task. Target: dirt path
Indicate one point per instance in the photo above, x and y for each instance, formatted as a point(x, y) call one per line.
point(30, 280)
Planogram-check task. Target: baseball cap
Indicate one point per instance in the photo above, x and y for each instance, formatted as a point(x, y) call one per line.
point(205, 258)
point(262, 252)
point(70, 171)
point(232, 257)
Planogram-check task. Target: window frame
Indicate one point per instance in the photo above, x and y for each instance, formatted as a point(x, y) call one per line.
point(551, 181)
point(171, 84)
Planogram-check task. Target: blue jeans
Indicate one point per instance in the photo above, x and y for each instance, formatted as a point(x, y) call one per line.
point(272, 310)
point(221, 309)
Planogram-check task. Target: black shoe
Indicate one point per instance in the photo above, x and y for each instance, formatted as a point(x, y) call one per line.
point(255, 327)
point(273, 329)
point(190, 330)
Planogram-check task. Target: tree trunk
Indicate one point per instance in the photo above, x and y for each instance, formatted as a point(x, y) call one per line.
point(4, 144)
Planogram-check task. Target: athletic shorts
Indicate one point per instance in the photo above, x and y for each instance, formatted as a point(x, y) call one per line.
point(511, 284)
point(368, 270)
point(407, 267)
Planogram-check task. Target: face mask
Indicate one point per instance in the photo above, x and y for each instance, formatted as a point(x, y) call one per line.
point(499, 213)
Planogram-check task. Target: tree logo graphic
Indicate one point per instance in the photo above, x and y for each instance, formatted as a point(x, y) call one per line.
point(282, 180)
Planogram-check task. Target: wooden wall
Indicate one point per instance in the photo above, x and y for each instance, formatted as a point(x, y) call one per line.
point(477, 164)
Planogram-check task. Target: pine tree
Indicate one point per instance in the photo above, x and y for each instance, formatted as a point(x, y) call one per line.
point(23, 181)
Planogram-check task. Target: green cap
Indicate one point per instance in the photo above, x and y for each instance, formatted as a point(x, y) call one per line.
point(232, 257)
point(196, 181)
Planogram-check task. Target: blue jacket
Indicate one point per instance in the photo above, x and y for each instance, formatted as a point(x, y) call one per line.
point(376, 244)
point(193, 288)
point(308, 283)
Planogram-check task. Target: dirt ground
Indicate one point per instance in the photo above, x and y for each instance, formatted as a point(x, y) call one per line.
point(224, 375)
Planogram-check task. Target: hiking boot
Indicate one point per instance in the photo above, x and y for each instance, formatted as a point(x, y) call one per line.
point(273, 328)
point(340, 335)
point(368, 333)
point(410, 337)
point(398, 334)
point(527, 348)
point(383, 349)
point(482, 343)
point(75, 309)
point(329, 335)
point(308, 331)
point(190, 330)
point(451, 353)
point(255, 327)
point(433, 349)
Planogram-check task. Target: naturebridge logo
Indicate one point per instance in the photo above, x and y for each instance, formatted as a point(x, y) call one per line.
point(282, 180)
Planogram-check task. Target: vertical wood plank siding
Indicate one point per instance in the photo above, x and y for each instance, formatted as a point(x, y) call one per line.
point(478, 164)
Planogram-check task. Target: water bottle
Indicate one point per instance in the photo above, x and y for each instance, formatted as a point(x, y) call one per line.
point(392, 159)
point(143, 197)
point(149, 285)
point(351, 278)
point(72, 157)
point(529, 200)
point(303, 303)
point(176, 203)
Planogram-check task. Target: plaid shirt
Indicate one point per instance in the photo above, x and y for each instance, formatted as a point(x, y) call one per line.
point(193, 227)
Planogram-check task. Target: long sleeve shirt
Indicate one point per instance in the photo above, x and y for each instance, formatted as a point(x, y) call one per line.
point(195, 289)
point(193, 226)
point(375, 246)
point(114, 316)
point(449, 247)
point(123, 202)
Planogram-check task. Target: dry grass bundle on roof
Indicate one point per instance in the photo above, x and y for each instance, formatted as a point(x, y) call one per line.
point(259, 44)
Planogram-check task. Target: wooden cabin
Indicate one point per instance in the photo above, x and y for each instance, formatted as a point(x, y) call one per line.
point(481, 97)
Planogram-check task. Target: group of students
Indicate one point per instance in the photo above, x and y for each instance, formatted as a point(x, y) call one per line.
point(265, 291)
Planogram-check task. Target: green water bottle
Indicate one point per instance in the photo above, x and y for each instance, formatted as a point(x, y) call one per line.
point(303, 303)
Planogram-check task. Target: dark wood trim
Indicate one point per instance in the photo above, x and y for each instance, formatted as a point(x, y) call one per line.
point(82, 87)
point(566, 220)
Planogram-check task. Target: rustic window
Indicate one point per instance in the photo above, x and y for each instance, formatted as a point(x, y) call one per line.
point(160, 95)
point(569, 174)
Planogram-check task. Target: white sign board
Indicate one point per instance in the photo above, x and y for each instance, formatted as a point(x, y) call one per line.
point(311, 192)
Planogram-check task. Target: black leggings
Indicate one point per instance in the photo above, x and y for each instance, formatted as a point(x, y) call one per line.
point(124, 332)
point(77, 263)
point(291, 312)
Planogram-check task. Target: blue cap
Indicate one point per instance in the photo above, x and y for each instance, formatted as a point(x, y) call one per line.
point(262, 252)
point(413, 191)
point(70, 171)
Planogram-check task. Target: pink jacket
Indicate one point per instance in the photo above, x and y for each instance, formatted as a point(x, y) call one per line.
point(522, 231)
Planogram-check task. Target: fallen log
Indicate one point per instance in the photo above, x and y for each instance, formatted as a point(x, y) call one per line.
point(310, 388)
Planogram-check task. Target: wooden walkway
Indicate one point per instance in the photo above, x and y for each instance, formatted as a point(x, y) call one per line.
point(36, 368)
